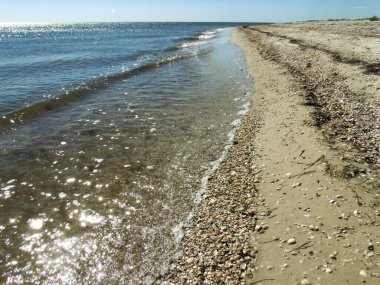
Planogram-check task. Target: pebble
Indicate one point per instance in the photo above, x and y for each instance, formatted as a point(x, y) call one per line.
point(292, 241)
point(251, 212)
point(333, 257)
point(305, 282)
point(363, 273)
point(314, 228)
point(328, 270)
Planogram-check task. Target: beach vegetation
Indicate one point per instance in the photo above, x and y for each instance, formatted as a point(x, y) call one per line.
point(336, 20)
point(374, 18)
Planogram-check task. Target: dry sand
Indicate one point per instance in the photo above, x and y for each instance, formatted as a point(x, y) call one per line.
point(297, 198)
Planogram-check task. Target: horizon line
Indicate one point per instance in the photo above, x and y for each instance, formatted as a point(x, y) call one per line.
point(95, 22)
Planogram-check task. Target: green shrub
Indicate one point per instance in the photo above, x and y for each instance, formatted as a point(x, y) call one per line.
point(374, 18)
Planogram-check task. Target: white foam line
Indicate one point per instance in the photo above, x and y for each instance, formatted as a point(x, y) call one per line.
point(207, 37)
point(192, 44)
point(178, 229)
point(215, 164)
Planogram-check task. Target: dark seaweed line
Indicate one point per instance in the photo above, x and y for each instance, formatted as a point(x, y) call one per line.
point(370, 68)
point(366, 117)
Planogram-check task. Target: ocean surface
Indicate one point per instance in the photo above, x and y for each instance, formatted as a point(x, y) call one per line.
point(108, 132)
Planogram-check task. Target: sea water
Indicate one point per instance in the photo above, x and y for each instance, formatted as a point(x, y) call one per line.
point(106, 131)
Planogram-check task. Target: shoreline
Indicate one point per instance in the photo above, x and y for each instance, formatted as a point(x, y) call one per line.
point(280, 208)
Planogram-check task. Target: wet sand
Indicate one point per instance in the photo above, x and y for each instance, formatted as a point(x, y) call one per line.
point(296, 201)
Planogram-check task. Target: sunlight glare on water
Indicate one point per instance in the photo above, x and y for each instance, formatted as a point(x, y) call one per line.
point(97, 192)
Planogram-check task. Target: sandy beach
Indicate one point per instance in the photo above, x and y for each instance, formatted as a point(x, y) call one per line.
point(296, 201)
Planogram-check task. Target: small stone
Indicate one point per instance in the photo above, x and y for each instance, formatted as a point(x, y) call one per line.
point(243, 266)
point(251, 212)
point(328, 270)
point(363, 273)
point(292, 241)
point(305, 282)
point(370, 254)
point(333, 255)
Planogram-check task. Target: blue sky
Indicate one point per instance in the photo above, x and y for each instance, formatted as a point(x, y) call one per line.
point(183, 10)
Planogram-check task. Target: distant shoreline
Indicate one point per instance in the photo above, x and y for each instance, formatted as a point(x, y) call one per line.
point(132, 22)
